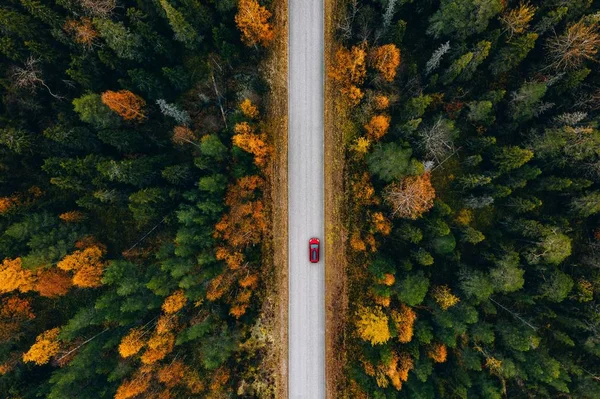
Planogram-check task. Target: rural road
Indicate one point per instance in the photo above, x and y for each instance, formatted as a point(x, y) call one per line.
point(306, 370)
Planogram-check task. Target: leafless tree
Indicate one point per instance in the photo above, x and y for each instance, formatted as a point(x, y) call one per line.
point(346, 23)
point(99, 8)
point(437, 141)
point(580, 42)
point(29, 77)
point(570, 118)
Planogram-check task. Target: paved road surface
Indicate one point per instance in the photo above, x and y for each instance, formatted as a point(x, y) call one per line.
point(305, 179)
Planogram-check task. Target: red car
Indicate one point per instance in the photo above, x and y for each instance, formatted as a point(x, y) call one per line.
point(313, 250)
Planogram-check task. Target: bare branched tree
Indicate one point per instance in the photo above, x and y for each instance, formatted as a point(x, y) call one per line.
point(580, 42)
point(346, 23)
point(99, 8)
point(437, 140)
point(29, 77)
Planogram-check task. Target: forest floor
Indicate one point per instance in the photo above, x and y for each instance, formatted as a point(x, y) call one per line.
point(336, 297)
point(276, 301)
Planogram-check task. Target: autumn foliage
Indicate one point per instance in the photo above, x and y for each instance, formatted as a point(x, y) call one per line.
point(377, 127)
point(252, 20)
point(14, 277)
point(411, 197)
point(255, 144)
point(348, 71)
point(248, 109)
point(132, 343)
point(46, 346)
point(517, 20)
point(579, 43)
point(72, 217)
point(86, 264)
point(174, 302)
point(127, 105)
point(135, 386)
point(444, 297)
point(404, 320)
point(182, 135)
point(385, 59)
point(53, 282)
point(372, 325)
point(438, 352)
point(396, 371)
point(83, 31)
point(13, 312)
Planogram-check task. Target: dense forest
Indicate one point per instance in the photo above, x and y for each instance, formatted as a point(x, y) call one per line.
point(132, 220)
point(473, 197)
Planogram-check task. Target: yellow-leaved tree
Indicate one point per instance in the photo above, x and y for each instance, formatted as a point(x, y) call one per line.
point(86, 264)
point(174, 302)
point(132, 343)
point(14, 277)
point(372, 325)
point(46, 346)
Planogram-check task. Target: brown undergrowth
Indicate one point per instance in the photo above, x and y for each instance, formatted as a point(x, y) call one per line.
point(336, 297)
point(275, 305)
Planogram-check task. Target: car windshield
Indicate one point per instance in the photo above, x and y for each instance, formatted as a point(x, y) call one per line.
point(314, 246)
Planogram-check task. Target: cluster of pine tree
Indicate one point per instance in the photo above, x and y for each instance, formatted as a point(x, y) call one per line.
point(473, 197)
point(131, 216)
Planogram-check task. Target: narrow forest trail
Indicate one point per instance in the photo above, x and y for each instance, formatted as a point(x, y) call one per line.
point(306, 377)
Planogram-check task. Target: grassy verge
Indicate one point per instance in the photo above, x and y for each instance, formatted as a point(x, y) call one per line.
point(336, 298)
point(275, 308)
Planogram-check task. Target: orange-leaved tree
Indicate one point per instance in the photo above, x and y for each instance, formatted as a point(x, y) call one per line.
point(72, 217)
point(83, 31)
point(135, 386)
point(252, 20)
point(52, 282)
point(248, 109)
point(348, 71)
point(132, 343)
point(404, 320)
point(159, 346)
point(396, 370)
point(174, 302)
point(377, 127)
point(410, 197)
point(182, 135)
point(46, 346)
point(243, 226)
point(255, 144)
point(438, 352)
point(579, 43)
point(381, 102)
point(385, 59)
point(129, 106)
point(13, 312)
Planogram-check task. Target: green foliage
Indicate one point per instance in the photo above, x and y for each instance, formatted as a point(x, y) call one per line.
point(462, 18)
point(513, 53)
point(92, 110)
point(120, 39)
point(390, 161)
point(412, 289)
point(184, 32)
